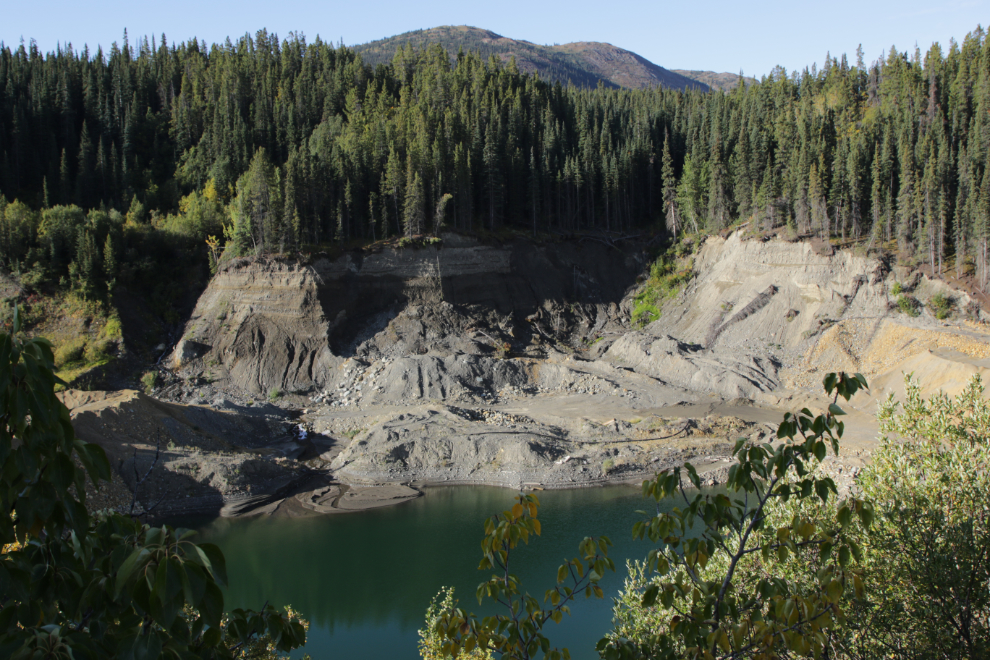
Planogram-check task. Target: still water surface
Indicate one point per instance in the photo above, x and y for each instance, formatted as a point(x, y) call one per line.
point(364, 580)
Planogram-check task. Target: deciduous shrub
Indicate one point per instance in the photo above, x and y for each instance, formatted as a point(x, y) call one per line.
point(76, 585)
point(767, 570)
point(929, 552)
point(941, 305)
point(516, 634)
point(907, 305)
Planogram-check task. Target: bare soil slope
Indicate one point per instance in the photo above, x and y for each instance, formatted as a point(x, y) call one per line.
point(516, 365)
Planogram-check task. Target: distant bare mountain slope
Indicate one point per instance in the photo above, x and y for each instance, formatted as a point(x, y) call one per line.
point(582, 64)
point(724, 81)
point(624, 68)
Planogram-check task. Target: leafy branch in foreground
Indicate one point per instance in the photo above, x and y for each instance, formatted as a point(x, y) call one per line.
point(74, 585)
point(718, 584)
point(519, 634)
point(431, 643)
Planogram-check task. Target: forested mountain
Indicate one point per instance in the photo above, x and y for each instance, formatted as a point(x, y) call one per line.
point(626, 69)
point(583, 64)
point(279, 144)
point(724, 81)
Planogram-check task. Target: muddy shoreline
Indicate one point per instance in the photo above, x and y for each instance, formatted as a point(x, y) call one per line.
point(334, 470)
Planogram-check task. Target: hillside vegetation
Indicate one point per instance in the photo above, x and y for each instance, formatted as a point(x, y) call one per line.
point(583, 64)
point(288, 143)
point(115, 165)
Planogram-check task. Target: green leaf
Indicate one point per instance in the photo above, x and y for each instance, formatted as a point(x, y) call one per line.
point(94, 460)
point(857, 552)
point(866, 514)
point(211, 605)
point(61, 472)
point(212, 637)
point(693, 475)
point(821, 488)
point(147, 646)
point(820, 451)
point(217, 565)
point(834, 591)
point(135, 561)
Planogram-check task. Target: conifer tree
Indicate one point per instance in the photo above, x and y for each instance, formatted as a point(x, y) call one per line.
point(414, 213)
point(669, 189)
point(896, 149)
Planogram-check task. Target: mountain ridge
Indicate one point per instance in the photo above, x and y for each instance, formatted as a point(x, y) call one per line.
point(724, 81)
point(583, 64)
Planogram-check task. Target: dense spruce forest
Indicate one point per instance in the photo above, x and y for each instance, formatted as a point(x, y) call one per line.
point(284, 145)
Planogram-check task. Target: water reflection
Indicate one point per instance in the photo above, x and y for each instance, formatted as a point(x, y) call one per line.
point(364, 579)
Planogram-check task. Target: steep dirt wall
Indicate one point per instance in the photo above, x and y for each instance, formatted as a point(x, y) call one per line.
point(267, 324)
point(260, 324)
point(515, 278)
point(750, 292)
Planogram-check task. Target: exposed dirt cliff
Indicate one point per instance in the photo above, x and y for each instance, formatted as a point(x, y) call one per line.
point(517, 364)
point(269, 325)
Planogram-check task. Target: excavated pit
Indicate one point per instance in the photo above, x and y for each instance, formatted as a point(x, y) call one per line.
point(516, 364)
point(264, 325)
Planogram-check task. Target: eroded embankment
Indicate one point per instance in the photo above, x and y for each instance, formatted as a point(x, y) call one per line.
point(516, 365)
point(271, 325)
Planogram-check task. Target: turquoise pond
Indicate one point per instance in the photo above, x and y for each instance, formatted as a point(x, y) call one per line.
point(364, 580)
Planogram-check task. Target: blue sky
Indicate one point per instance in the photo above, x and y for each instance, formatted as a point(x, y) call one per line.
point(713, 35)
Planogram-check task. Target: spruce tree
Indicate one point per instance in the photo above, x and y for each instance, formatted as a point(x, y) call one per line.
point(414, 213)
point(669, 188)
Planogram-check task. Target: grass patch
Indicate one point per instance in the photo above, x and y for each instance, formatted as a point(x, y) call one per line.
point(72, 304)
point(274, 394)
point(419, 241)
point(112, 329)
point(70, 352)
point(78, 356)
point(98, 351)
point(665, 282)
point(350, 434)
point(148, 381)
point(73, 370)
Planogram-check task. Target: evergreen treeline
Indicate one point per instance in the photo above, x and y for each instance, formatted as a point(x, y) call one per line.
point(287, 143)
